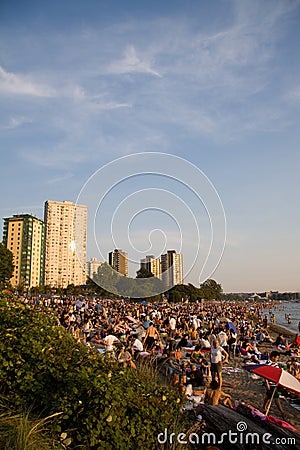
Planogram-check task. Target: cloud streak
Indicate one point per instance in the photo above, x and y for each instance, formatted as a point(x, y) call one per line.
point(11, 83)
point(132, 63)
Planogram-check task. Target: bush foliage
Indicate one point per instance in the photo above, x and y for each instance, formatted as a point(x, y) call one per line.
point(43, 368)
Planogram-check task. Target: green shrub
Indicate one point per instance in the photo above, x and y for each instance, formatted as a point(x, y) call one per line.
point(102, 405)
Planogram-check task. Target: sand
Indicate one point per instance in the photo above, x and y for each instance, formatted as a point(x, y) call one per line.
point(241, 386)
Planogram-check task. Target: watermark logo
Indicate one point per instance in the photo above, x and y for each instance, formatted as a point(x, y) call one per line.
point(146, 204)
point(239, 436)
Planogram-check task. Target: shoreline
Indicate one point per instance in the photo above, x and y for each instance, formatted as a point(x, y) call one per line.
point(276, 329)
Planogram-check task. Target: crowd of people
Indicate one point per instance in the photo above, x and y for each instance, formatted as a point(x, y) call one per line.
point(193, 341)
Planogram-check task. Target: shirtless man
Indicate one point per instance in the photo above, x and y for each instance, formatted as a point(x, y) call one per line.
point(214, 395)
point(150, 337)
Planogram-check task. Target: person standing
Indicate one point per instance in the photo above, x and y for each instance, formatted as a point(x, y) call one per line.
point(216, 354)
point(172, 323)
point(150, 337)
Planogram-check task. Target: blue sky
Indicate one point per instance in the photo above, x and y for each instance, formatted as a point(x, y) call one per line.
point(215, 83)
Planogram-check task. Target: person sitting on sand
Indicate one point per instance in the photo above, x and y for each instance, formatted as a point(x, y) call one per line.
point(136, 346)
point(196, 355)
point(280, 341)
point(109, 341)
point(204, 342)
point(268, 337)
point(183, 341)
point(196, 376)
point(214, 395)
point(293, 367)
point(260, 336)
point(125, 358)
point(182, 384)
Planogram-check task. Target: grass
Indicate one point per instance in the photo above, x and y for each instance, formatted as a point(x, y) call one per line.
point(19, 431)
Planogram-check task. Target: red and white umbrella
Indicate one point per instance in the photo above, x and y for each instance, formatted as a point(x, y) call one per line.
point(281, 377)
point(277, 375)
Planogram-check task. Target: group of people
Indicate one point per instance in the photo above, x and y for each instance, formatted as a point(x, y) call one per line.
point(198, 338)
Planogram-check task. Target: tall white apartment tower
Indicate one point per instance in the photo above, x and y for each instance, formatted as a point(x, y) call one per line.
point(65, 244)
point(172, 269)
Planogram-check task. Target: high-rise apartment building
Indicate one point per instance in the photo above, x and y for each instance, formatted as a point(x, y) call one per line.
point(23, 235)
point(65, 243)
point(118, 260)
point(172, 269)
point(92, 267)
point(152, 264)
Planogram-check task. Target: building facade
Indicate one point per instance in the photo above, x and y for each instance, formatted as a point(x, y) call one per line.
point(172, 268)
point(65, 244)
point(23, 235)
point(152, 264)
point(92, 267)
point(118, 260)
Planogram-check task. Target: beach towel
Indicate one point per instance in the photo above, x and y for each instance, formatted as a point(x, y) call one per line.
point(281, 423)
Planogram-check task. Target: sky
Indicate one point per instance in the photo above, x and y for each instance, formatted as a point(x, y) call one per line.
point(207, 86)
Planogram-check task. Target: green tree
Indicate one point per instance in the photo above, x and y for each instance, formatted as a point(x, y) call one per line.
point(6, 264)
point(211, 290)
point(144, 273)
point(107, 278)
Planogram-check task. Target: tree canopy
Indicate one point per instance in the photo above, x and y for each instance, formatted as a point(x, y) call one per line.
point(6, 264)
point(208, 290)
point(211, 290)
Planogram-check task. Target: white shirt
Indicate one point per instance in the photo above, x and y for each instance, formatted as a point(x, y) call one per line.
point(109, 341)
point(204, 343)
point(216, 355)
point(172, 323)
point(137, 345)
point(223, 338)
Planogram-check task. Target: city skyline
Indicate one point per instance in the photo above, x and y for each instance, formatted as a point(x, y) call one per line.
point(13, 228)
point(216, 84)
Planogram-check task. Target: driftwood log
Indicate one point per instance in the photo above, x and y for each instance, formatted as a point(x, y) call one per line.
point(250, 433)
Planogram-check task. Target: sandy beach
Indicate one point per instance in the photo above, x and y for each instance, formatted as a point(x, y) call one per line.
point(243, 386)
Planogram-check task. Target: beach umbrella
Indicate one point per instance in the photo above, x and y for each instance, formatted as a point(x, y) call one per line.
point(231, 326)
point(281, 377)
point(79, 303)
point(132, 319)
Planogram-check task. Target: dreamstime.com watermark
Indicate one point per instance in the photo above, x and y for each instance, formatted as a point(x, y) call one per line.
point(240, 436)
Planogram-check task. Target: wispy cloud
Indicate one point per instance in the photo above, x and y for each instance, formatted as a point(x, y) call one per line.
point(11, 83)
point(60, 178)
point(209, 83)
point(294, 94)
point(15, 122)
point(131, 63)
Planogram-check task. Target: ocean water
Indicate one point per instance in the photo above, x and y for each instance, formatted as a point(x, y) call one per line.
point(291, 308)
